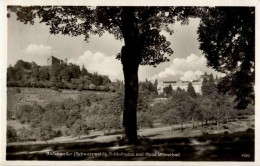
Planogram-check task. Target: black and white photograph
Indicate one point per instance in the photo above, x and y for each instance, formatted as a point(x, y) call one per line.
point(130, 83)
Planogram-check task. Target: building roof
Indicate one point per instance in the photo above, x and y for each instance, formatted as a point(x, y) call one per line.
point(169, 81)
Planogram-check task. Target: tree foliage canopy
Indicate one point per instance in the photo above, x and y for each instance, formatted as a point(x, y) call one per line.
point(227, 39)
point(191, 90)
point(84, 20)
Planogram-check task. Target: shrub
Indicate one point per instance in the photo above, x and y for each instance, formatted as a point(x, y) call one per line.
point(83, 101)
point(65, 131)
point(25, 134)
point(109, 122)
point(29, 113)
point(73, 87)
point(144, 120)
point(23, 113)
point(17, 90)
point(55, 88)
point(112, 89)
point(72, 117)
point(70, 104)
point(107, 88)
point(45, 132)
point(225, 127)
point(101, 88)
point(11, 134)
point(170, 117)
point(87, 87)
point(204, 133)
point(58, 133)
point(55, 117)
point(92, 87)
point(79, 128)
point(93, 122)
point(226, 132)
point(80, 88)
point(250, 130)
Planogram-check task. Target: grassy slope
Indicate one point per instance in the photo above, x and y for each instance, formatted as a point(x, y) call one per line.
point(40, 96)
point(160, 139)
point(43, 96)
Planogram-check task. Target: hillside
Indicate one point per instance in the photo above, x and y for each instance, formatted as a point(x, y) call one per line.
point(63, 76)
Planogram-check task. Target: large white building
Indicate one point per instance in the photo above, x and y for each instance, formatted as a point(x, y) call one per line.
point(184, 84)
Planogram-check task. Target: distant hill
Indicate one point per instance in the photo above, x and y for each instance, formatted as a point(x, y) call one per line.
point(58, 76)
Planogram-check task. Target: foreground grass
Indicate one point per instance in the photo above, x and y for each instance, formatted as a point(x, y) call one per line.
point(237, 146)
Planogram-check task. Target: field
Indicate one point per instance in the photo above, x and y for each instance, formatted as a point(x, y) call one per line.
point(233, 141)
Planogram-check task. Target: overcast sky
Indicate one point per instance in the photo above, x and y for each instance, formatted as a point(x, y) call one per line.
point(34, 43)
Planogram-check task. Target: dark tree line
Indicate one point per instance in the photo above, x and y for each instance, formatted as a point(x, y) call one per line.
point(65, 76)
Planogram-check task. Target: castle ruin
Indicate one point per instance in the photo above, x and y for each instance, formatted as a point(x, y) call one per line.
point(53, 61)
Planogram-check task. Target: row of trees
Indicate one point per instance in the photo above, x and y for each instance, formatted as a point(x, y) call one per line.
point(25, 74)
point(189, 107)
point(148, 88)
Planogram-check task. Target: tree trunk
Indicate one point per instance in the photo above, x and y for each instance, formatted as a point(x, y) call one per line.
point(130, 102)
point(130, 57)
point(181, 127)
point(192, 122)
point(218, 118)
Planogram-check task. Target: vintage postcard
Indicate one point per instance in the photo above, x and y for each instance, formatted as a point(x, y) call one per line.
point(129, 82)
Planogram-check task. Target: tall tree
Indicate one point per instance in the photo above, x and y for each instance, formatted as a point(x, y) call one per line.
point(10, 74)
point(139, 27)
point(168, 90)
point(44, 73)
point(74, 71)
point(206, 108)
point(204, 86)
point(84, 71)
point(191, 90)
point(65, 75)
point(221, 106)
point(182, 104)
point(227, 39)
point(35, 71)
point(208, 87)
point(156, 85)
